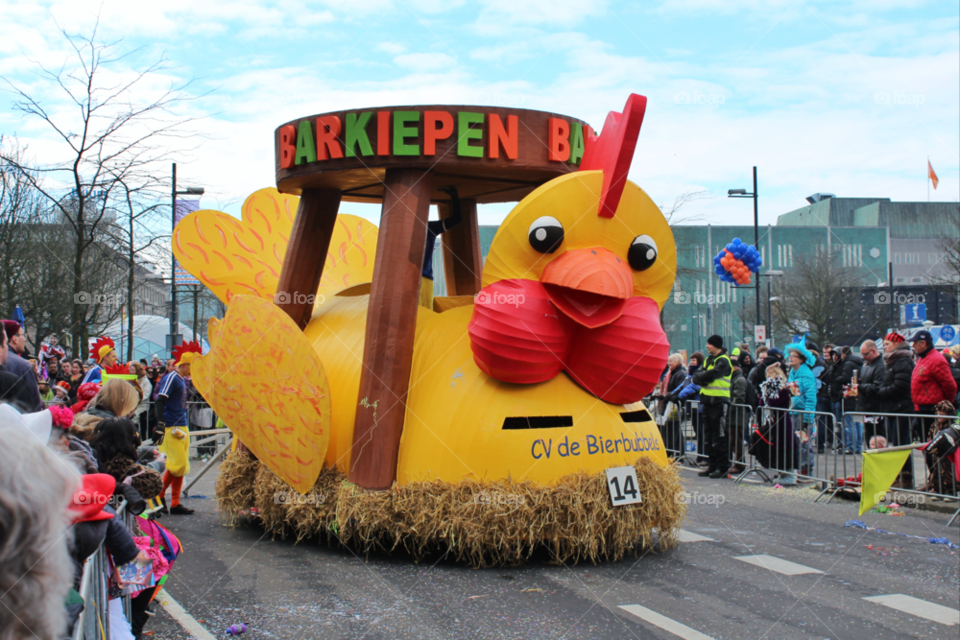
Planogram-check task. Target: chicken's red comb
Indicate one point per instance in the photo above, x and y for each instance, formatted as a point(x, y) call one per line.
point(612, 151)
point(119, 369)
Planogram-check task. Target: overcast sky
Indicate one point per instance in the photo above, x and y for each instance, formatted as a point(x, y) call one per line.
point(848, 97)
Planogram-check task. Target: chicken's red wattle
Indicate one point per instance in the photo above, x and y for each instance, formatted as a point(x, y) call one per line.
point(518, 335)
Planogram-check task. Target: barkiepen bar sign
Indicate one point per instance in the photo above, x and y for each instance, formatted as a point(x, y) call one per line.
point(405, 133)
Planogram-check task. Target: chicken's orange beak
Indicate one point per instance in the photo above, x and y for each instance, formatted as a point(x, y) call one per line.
point(589, 285)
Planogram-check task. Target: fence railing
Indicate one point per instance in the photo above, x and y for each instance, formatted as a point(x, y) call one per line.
point(94, 620)
point(782, 445)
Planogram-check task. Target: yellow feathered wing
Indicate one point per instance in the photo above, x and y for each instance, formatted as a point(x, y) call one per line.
point(244, 257)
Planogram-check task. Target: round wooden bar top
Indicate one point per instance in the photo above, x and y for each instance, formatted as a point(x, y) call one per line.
point(490, 154)
point(400, 156)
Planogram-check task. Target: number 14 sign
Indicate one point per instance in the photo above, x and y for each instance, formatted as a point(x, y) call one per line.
point(622, 483)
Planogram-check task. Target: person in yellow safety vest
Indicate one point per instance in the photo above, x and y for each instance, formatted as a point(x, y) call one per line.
point(713, 378)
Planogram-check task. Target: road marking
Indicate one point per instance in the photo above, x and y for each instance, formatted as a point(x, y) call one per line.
point(690, 536)
point(918, 607)
point(665, 623)
point(773, 563)
point(182, 617)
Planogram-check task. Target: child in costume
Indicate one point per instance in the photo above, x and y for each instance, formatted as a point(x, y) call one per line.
point(171, 409)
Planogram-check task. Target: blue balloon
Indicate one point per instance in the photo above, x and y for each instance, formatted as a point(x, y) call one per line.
point(737, 241)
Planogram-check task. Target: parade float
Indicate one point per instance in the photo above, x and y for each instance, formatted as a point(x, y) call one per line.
point(487, 424)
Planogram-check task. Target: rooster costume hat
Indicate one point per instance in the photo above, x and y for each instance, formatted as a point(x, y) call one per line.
point(100, 353)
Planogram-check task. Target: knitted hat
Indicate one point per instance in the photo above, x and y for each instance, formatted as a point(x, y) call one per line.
point(715, 341)
point(12, 327)
point(894, 337)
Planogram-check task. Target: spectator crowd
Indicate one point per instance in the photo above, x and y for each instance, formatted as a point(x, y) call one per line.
point(81, 438)
point(838, 399)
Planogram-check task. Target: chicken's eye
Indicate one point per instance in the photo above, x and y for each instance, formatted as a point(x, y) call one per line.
point(643, 253)
point(546, 234)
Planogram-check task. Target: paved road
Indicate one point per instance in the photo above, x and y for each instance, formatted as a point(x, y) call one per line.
point(707, 587)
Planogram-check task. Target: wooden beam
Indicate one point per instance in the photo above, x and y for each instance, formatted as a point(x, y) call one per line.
point(307, 253)
point(462, 261)
point(391, 327)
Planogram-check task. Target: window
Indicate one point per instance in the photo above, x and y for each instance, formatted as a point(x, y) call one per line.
point(900, 280)
point(896, 258)
point(917, 280)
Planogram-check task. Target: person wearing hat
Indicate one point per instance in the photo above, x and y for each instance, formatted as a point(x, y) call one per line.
point(932, 382)
point(803, 403)
point(103, 353)
point(894, 394)
point(14, 342)
point(172, 421)
point(46, 393)
point(713, 378)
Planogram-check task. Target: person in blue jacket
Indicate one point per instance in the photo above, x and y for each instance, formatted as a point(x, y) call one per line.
point(801, 363)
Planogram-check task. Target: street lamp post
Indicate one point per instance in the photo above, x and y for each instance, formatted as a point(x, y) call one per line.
point(175, 338)
point(742, 193)
point(770, 274)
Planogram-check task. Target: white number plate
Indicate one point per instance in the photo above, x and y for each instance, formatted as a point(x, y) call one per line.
point(622, 483)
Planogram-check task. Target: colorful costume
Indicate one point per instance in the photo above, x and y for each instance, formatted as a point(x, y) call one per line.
point(172, 414)
point(98, 352)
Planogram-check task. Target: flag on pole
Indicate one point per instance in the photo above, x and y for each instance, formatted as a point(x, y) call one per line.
point(879, 472)
point(932, 175)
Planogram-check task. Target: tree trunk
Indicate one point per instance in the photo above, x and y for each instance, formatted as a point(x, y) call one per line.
point(130, 285)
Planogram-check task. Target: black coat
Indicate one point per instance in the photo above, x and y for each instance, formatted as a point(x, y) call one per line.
point(87, 536)
point(871, 377)
point(676, 379)
point(851, 364)
point(832, 378)
point(759, 371)
point(894, 391)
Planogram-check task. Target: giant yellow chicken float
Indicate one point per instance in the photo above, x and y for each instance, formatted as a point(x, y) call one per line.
point(520, 397)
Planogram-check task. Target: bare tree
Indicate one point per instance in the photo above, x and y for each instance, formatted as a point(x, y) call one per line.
point(824, 300)
point(110, 141)
point(135, 234)
point(672, 213)
point(948, 246)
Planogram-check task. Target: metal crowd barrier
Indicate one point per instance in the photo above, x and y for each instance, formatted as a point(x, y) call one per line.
point(783, 446)
point(94, 620)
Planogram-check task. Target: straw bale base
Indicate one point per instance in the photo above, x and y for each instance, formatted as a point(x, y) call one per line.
point(482, 524)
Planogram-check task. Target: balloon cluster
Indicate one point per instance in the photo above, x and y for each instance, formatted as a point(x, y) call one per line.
point(736, 261)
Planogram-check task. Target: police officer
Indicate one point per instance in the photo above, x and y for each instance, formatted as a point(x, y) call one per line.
point(713, 378)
